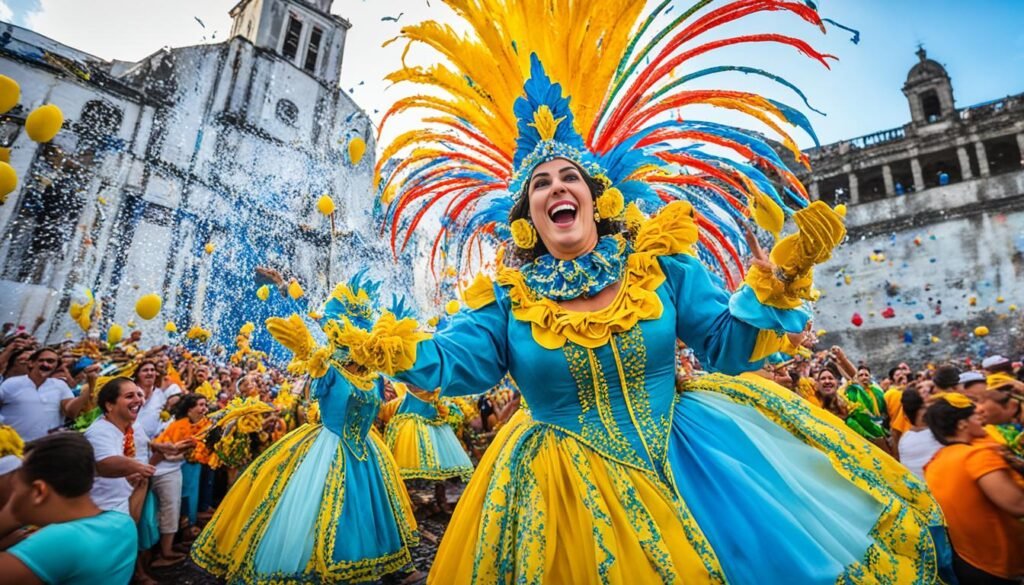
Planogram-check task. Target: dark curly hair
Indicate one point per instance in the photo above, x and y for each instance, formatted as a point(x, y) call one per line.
point(521, 210)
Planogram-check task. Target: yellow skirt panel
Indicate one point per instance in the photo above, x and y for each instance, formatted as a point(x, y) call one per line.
point(545, 508)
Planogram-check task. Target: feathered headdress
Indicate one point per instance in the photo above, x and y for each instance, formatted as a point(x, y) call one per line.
point(595, 82)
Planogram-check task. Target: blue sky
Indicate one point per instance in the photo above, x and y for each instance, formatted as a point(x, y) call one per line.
point(981, 43)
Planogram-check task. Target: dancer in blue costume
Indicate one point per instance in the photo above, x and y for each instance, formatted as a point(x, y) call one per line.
point(422, 442)
point(325, 504)
point(615, 476)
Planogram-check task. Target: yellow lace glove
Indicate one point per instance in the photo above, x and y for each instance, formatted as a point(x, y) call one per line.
point(306, 356)
point(821, 229)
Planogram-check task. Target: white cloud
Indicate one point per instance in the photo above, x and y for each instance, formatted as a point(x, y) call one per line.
point(6, 14)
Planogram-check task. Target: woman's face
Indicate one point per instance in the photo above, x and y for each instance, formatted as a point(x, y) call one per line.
point(976, 425)
point(147, 374)
point(129, 401)
point(198, 411)
point(562, 209)
point(827, 383)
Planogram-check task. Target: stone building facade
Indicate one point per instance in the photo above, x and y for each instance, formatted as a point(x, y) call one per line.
point(227, 145)
point(936, 223)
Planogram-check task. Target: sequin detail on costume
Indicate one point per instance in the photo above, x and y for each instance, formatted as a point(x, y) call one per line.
point(584, 276)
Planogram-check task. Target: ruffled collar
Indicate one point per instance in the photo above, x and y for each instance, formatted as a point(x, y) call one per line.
point(584, 276)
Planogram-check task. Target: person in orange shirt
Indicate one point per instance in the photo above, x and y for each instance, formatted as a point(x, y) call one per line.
point(190, 421)
point(978, 494)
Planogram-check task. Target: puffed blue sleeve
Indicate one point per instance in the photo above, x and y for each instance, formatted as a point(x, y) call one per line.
point(723, 331)
point(469, 356)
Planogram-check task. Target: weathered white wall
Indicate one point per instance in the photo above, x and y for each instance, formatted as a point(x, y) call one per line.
point(969, 243)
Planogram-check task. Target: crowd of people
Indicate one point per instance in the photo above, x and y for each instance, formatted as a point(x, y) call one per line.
point(91, 431)
point(94, 434)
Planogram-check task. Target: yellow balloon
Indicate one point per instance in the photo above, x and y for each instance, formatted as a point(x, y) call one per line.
point(10, 93)
point(8, 180)
point(356, 148)
point(148, 306)
point(44, 122)
point(171, 327)
point(209, 248)
point(325, 205)
point(452, 307)
point(295, 290)
point(263, 293)
point(5, 155)
point(115, 334)
point(980, 331)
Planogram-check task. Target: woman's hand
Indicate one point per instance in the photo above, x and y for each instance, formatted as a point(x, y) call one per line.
point(758, 256)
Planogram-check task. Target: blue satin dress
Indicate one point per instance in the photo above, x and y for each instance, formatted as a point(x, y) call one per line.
point(423, 443)
point(616, 477)
point(323, 504)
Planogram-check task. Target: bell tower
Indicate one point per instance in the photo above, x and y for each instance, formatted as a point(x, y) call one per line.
point(929, 91)
point(302, 32)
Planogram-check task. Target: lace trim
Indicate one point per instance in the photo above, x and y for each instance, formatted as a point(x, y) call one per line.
point(584, 276)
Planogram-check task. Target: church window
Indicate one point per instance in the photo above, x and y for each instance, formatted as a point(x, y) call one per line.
point(313, 49)
point(291, 38)
point(930, 106)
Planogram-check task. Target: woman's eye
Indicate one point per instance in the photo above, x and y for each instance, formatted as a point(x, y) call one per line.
point(570, 177)
point(540, 183)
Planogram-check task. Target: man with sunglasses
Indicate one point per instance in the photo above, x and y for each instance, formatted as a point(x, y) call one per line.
point(37, 403)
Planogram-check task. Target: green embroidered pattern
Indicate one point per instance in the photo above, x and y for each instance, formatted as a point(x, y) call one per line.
point(592, 389)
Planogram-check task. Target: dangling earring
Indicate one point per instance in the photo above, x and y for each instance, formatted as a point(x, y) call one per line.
point(597, 215)
point(523, 234)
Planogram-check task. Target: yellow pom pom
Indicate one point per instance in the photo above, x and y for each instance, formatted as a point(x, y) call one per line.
point(199, 334)
point(115, 334)
point(10, 442)
point(1000, 299)
point(935, 339)
point(263, 293)
point(356, 148)
point(171, 327)
point(148, 306)
point(840, 210)
point(821, 332)
point(433, 321)
point(452, 307)
point(634, 217)
point(610, 204)
point(10, 93)
point(1012, 307)
point(523, 234)
point(131, 323)
point(973, 301)
point(325, 205)
point(44, 122)
point(8, 180)
point(295, 290)
point(5, 154)
point(209, 248)
point(248, 328)
point(980, 331)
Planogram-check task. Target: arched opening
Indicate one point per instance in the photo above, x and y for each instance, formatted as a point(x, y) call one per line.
point(931, 107)
point(1003, 155)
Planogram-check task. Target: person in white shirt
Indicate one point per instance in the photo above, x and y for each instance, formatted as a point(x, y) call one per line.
point(36, 404)
point(166, 480)
point(113, 441)
point(918, 445)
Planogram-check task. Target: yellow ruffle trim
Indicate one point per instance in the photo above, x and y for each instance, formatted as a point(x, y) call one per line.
point(672, 231)
point(389, 347)
point(306, 356)
point(480, 293)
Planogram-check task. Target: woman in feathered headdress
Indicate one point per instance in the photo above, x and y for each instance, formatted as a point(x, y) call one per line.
point(325, 503)
point(557, 138)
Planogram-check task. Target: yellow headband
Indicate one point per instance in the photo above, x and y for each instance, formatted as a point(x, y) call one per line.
point(957, 400)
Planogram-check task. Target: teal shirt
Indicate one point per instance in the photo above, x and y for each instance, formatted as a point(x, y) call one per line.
point(96, 550)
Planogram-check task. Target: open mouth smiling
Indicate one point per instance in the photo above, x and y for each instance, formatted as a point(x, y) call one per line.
point(562, 213)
